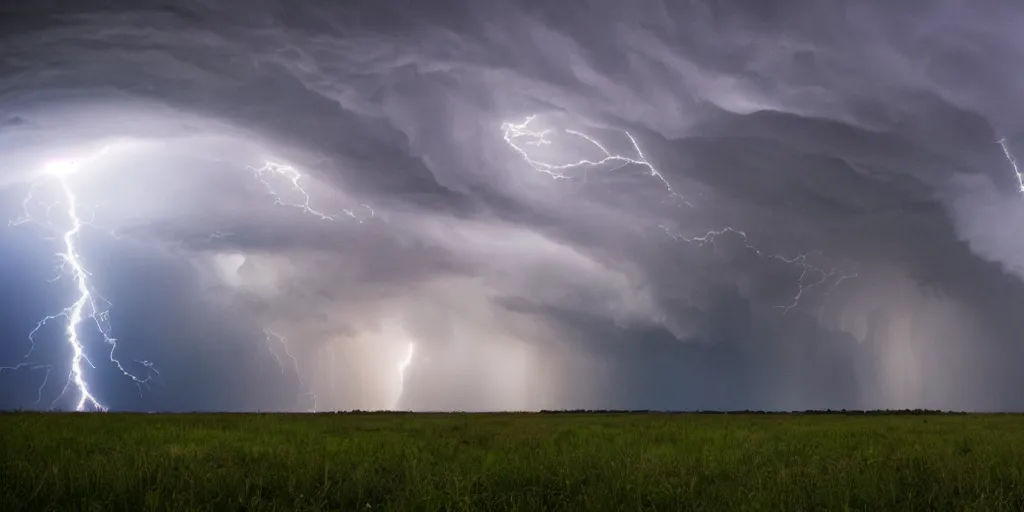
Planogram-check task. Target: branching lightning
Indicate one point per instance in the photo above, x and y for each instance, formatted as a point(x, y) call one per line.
point(273, 338)
point(33, 366)
point(89, 306)
point(514, 132)
point(520, 137)
point(294, 177)
point(1013, 163)
point(90, 309)
point(811, 276)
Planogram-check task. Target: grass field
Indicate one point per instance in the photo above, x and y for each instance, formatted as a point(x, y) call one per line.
point(571, 462)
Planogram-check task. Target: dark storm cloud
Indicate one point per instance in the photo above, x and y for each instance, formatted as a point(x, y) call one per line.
point(863, 135)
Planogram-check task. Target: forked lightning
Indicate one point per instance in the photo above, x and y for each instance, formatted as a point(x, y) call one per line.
point(89, 307)
point(273, 338)
point(516, 132)
point(89, 310)
point(521, 137)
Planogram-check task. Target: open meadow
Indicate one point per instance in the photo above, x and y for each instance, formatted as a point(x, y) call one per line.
point(584, 461)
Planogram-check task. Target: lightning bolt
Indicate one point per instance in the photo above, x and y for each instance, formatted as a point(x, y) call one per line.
point(403, 365)
point(1013, 163)
point(90, 310)
point(521, 138)
point(273, 338)
point(89, 306)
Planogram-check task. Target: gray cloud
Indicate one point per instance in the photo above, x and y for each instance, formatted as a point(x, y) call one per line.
point(835, 140)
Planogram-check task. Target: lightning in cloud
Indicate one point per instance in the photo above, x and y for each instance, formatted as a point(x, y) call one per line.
point(294, 177)
point(522, 139)
point(518, 135)
point(1013, 163)
point(811, 276)
point(806, 269)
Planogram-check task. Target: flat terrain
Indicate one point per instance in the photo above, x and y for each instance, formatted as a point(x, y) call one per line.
point(575, 462)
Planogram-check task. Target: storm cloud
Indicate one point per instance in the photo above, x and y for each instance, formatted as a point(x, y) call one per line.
point(816, 203)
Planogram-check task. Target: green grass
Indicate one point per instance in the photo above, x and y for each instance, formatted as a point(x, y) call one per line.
point(573, 462)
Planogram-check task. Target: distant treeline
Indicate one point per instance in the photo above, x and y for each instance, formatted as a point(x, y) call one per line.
point(851, 412)
point(848, 412)
point(885, 412)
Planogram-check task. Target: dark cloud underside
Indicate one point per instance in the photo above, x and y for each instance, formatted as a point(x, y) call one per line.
point(854, 151)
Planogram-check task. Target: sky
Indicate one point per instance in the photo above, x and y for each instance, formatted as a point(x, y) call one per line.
point(511, 205)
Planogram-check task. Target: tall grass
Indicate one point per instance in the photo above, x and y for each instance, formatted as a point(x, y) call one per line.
point(574, 462)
